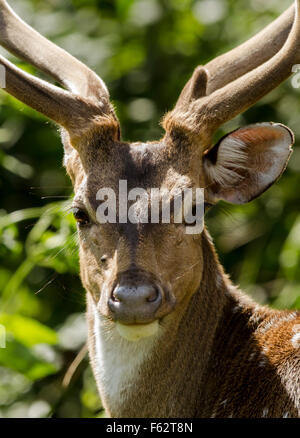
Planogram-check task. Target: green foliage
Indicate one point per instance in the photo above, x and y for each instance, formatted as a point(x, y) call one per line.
point(145, 50)
point(19, 358)
point(28, 331)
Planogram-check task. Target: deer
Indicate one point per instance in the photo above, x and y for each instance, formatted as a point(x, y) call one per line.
point(169, 334)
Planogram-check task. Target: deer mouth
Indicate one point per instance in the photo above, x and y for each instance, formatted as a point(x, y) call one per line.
point(136, 332)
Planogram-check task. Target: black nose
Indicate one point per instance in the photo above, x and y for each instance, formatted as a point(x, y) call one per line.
point(135, 303)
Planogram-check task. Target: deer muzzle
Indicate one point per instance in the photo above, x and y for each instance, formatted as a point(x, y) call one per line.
point(135, 303)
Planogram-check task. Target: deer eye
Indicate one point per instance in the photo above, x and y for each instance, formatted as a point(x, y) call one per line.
point(81, 216)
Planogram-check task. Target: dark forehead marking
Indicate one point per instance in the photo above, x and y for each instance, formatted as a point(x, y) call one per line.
point(137, 163)
point(131, 234)
point(142, 165)
point(143, 162)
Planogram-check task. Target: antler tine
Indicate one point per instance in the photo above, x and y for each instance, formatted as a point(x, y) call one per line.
point(232, 82)
point(23, 41)
point(234, 98)
point(249, 55)
point(252, 53)
point(54, 102)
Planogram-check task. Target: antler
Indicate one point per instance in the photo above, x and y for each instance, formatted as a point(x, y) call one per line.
point(233, 82)
point(88, 96)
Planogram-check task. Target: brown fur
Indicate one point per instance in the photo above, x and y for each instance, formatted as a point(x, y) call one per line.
point(212, 359)
point(213, 336)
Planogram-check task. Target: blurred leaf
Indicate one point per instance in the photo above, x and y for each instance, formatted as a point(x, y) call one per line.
point(19, 358)
point(28, 331)
point(123, 7)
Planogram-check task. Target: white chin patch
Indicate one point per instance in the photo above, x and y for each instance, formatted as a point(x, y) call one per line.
point(136, 332)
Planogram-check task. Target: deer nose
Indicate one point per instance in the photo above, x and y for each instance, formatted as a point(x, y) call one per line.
point(135, 304)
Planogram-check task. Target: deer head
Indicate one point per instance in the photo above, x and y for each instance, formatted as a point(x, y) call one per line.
point(139, 274)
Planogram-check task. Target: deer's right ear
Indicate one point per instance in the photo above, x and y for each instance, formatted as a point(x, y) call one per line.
point(247, 162)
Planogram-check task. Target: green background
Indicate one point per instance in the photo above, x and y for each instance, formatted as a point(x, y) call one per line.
point(145, 50)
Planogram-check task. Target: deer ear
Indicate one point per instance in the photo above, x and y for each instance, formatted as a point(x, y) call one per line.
point(247, 162)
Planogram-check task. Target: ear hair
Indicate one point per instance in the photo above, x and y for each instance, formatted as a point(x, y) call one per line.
point(232, 157)
point(247, 162)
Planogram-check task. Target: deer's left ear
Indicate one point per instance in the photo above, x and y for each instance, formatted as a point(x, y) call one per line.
point(247, 162)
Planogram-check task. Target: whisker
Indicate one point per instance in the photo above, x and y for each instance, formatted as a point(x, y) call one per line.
point(47, 284)
point(50, 187)
point(187, 270)
point(70, 240)
point(67, 208)
point(75, 295)
point(55, 197)
point(29, 226)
